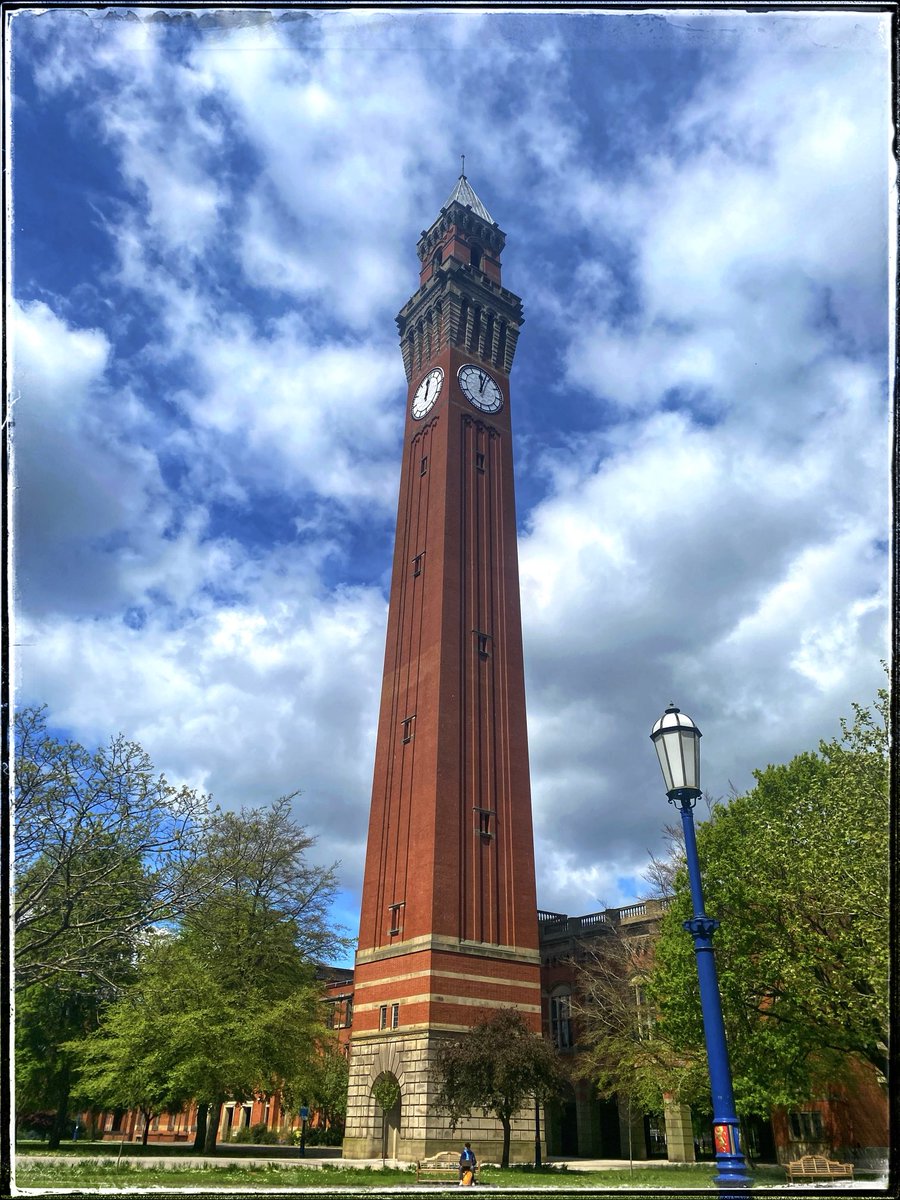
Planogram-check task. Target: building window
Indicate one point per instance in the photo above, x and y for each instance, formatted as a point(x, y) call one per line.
point(394, 911)
point(483, 818)
point(806, 1126)
point(561, 1019)
point(382, 1017)
point(395, 1016)
point(417, 564)
point(483, 640)
point(476, 331)
point(479, 461)
point(423, 465)
point(644, 1015)
point(463, 323)
point(489, 338)
point(501, 346)
point(476, 257)
point(407, 724)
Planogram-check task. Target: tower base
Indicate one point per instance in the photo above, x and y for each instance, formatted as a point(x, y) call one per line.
point(414, 1129)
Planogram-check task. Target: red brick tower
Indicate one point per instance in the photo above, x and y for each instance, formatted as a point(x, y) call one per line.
point(448, 929)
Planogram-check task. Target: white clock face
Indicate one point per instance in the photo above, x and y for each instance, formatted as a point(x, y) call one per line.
point(427, 393)
point(480, 389)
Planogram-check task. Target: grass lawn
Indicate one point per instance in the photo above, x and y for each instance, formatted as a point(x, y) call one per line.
point(94, 1172)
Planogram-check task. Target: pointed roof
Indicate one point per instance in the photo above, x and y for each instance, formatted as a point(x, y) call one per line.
point(465, 195)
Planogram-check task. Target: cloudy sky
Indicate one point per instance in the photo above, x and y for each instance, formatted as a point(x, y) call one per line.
point(215, 223)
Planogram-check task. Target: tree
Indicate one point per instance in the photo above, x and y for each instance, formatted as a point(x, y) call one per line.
point(127, 1062)
point(226, 1006)
point(107, 852)
point(187, 1029)
point(258, 861)
point(498, 1067)
point(625, 1050)
point(797, 873)
point(103, 850)
point(46, 1018)
point(323, 1084)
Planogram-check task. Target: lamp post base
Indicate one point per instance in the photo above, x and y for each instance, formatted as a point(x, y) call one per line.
point(732, 1173)
point(730, 1160)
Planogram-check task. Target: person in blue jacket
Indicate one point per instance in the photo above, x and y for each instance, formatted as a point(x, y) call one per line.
point(467, 1166)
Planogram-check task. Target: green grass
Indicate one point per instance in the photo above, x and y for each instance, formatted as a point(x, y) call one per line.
point(90, 1172)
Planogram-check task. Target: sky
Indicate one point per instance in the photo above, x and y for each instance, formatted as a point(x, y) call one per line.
point(214, 226)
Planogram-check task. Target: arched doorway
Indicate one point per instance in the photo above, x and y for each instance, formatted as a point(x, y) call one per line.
point(386, 1094)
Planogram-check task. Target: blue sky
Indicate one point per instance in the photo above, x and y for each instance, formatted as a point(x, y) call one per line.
point(215, 219)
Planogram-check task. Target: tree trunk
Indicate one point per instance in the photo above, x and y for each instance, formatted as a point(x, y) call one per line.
point(504, 1157)
point(200, 1132)
point(212, 1127)
point(61, 1120)
point(148, 1116)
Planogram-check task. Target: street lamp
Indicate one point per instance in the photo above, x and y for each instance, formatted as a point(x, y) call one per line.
point(677, 742)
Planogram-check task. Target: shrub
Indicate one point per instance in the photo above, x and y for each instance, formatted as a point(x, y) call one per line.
point(258, 1134)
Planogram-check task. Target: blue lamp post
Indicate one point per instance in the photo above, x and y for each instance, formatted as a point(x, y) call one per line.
point(677, 742)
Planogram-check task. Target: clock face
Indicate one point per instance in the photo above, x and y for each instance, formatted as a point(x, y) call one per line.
point(427, 393)
point(480, 389)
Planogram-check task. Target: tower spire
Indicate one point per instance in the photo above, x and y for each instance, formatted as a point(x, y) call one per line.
point(465, 195)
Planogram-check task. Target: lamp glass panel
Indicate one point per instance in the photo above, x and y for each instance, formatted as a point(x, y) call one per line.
point(678, 750)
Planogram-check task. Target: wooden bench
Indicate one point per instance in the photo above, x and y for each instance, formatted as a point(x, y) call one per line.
point(443, 1166)
point(817, 1166)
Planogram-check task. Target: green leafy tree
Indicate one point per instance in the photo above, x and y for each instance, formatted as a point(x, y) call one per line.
point(228, 1006)
point(103, 851)
point(498, 1067)
point(322, 1085)
point(46, 1018)
point(797, 872)
point(186, 1029)
point(127, 1062)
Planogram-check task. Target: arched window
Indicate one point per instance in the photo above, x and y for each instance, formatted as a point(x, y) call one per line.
point(489, 338)
point(463, 322)
point(501, 346)
point(476, 332)
point(476, 257)
point(436, 259)
point(561, 1018)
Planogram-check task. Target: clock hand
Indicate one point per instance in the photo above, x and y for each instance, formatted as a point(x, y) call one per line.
point(483, 379)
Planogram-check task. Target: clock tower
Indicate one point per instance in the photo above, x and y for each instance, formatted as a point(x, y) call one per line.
point(448, 927)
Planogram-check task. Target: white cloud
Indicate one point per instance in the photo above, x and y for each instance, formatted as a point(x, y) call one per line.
point(273, 693)
point(80, 478)
point(724, 554)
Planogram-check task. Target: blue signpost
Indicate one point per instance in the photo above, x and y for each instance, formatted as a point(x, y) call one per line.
point(677, 742)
